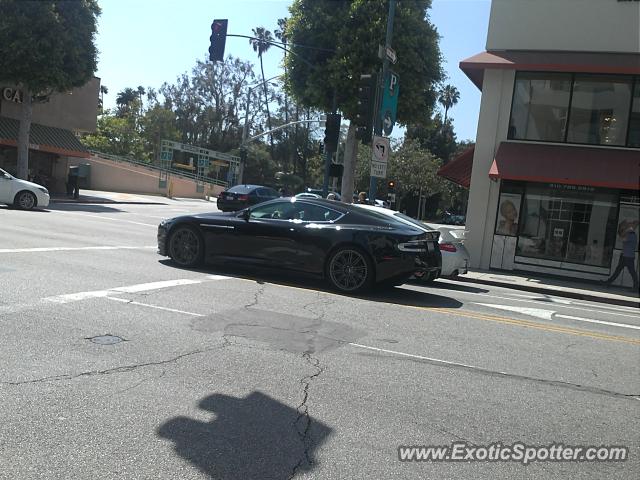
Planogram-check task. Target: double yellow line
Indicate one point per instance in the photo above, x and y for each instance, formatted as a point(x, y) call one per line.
point(529, 324)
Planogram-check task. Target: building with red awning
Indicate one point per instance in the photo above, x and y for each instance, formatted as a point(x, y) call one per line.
point(555, 174)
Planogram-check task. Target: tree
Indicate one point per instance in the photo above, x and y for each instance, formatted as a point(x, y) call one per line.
point(103, 91)
point(141, 91)
point(46, 46)
point(345, 35)
point(434, 136)
point(261, 43)
point(125, 101)
point(448, 97)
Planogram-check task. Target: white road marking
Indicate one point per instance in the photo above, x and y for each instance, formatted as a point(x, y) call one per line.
point(130, 302)
point(420, 357)
point(590, 320)
point(71, 249)
point(552, 315)
point(101, 217)
point(533, 312)
point(537, 302)
point(143, 287)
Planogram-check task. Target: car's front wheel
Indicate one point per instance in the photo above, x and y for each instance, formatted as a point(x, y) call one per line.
point(25, 200)
point(350, 270)
point(186, 247)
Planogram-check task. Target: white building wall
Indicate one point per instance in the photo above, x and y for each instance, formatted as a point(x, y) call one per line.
point(493, 125)
point(565, 25)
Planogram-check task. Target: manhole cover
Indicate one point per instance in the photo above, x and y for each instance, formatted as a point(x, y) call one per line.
point(106, 339)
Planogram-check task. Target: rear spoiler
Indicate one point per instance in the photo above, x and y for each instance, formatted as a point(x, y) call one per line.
point(460, 234)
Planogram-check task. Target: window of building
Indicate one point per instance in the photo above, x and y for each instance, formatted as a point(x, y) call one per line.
point(576, 108)
point(540, 105)
point(600, 110)
point(569, 224)
point(634, 121)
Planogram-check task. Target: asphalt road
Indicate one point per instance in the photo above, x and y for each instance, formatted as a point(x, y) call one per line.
point(237, 375)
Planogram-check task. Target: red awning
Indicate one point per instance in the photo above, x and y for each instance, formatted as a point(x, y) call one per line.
point(595, 167)
point(575, 62)
point(458, 170)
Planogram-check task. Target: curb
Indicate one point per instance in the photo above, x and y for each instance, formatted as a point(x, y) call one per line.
point(558, 293)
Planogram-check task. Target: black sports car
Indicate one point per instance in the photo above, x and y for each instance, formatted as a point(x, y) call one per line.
point(351, 247)
point(242, 196)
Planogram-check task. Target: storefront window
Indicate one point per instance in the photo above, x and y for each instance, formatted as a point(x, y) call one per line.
point(539, 108)
point(599, 110)
point(634, 122)
point(568, 224)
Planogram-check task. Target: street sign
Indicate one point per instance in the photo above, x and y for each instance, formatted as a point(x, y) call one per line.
point(389, 103)
point(378, 169)
point(391, 55)
point(380, 149)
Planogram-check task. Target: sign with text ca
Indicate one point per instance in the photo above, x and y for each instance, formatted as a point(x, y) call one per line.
point(389, 103)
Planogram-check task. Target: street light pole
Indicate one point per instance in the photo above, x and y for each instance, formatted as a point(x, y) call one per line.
point(373, 183)
point(245, 129)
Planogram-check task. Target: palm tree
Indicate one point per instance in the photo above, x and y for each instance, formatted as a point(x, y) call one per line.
point(449, 96)
point(261, 43)
point(124, 100)
point(103, 91)
point(141, 91)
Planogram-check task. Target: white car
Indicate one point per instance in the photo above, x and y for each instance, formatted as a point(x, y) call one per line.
point(22, 194)
point(455, 257)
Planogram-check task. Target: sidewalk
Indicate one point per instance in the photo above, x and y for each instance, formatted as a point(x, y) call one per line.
point(590, 291)
point(100, 197)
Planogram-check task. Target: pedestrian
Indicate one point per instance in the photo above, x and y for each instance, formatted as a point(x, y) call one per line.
point(331, 196)
point(72, 185)
point(362, 198)
point(627, 258)
point(282, 192)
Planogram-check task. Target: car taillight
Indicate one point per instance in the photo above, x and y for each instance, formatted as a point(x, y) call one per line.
point(447, 247)
point(243, 197)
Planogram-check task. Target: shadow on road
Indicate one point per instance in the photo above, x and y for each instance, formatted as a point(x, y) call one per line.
point(449, 285)
point(252, 437)
point(396, 295)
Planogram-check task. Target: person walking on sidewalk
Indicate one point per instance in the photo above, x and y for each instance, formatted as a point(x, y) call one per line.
point(628, 258)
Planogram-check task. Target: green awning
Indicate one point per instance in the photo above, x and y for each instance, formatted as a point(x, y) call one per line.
point(45, 139)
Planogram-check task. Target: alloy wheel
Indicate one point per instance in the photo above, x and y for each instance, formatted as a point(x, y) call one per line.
point(185, 247)
point(348, 270)
point(26, 201)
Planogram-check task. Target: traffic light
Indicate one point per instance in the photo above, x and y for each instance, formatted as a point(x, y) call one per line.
point(218, 39)
point(366, 105)
point(391, 186)
point(332, 132)
point(336, 170)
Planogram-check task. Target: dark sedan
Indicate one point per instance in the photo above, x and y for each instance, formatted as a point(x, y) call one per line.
point(352, 248)
point(243, 196)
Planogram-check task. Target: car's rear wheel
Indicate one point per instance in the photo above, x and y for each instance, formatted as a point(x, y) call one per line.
point(25, 200)
point(186, 247)
point(350, 270)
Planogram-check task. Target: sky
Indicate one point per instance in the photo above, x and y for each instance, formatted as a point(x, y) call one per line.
point(149, 42)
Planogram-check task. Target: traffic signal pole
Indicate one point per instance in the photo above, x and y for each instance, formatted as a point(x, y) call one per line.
point(373, 183)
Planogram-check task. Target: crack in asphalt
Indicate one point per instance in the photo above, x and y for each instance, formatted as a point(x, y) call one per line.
point(110, 371)
point(256, 296)
point(302, 423)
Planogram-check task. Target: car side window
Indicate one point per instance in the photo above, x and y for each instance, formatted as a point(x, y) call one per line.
point(276, 211)
point(315, 213)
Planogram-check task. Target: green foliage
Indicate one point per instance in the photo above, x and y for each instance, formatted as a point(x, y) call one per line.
point(434, 136)
point(350, 31)
point(48, 46)
point(117, 136)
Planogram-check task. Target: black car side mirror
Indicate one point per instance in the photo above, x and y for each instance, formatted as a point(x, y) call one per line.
point(246, 214)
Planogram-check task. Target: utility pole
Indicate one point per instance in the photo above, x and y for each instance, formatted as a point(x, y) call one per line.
point(373, 184)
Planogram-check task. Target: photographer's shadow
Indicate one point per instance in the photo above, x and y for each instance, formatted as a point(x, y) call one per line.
point(256, 437)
